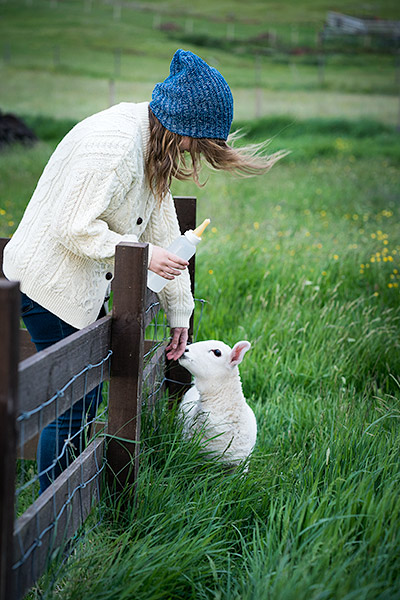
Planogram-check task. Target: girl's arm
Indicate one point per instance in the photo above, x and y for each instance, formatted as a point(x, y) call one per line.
point(178, 343)
point(176, 297)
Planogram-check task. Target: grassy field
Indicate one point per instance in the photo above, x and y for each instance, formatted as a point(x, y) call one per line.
point(303, 262)
point(54, 52)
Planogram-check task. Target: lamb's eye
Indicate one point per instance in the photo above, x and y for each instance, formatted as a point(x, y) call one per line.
point(217, 352)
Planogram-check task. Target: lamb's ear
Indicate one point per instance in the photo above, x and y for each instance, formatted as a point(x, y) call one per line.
point(238, 351)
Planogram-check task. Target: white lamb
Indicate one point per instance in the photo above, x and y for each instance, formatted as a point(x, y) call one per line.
point(215, 404)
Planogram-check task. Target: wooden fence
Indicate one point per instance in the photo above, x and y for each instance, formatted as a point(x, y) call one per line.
point(116, 340)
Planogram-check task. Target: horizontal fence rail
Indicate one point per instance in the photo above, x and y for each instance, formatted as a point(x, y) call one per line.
point(56, 515)
point(62, 373)
point(42, 386)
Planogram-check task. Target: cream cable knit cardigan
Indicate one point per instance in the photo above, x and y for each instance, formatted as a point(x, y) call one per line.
point(93, 194)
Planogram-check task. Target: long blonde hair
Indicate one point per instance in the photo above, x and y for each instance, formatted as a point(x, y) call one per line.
point(166, 159)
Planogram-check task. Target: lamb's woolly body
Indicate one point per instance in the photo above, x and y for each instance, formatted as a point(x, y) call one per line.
point(215, 405)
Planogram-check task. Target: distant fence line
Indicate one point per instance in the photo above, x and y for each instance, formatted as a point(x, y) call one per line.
point(262, 46)
point(336, 24)
point(45, 385)
point(54, 57)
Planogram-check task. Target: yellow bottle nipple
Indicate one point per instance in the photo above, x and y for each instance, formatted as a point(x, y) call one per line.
point(199, 230)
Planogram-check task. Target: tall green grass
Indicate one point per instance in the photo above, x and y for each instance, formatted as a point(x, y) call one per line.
point(316, 517)
point(304, 262)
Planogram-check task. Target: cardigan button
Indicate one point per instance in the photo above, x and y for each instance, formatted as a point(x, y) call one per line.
point(139, 221)
point(109, 275)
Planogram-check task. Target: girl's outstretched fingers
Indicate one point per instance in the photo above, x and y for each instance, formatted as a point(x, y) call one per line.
point(178, 343)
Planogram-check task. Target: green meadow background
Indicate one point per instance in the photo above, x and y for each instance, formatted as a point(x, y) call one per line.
point(304, 262)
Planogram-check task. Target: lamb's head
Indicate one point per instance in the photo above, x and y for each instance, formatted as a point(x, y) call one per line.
point(213, 359)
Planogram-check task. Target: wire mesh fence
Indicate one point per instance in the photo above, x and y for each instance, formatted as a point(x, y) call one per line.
point(72, 430)
point(55, 493)
point(155, 375)
point(71, 397)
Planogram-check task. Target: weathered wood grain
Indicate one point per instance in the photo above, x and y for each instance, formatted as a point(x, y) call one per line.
point(46, 372)
point(55, 516)
point(9, 300)
point(26, 347)
point(127, 344)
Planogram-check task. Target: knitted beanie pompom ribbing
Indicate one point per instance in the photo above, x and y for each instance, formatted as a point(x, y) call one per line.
point(194, 100)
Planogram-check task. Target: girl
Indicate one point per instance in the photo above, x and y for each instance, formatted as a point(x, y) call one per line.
point(108, 182)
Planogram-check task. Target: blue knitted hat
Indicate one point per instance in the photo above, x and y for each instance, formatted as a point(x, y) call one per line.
point(194, 100)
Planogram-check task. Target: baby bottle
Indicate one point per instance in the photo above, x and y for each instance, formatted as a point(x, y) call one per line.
point(184, 246)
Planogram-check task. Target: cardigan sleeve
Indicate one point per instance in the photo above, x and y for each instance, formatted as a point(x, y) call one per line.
point(176, 297)
point(79, 219)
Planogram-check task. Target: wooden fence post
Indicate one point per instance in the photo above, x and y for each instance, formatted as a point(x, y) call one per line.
point(9, 340)
point(127, 342)
point(180, 378)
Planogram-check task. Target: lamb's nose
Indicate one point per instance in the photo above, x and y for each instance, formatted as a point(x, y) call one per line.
point(186, 349)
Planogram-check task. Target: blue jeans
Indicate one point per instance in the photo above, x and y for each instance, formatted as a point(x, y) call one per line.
point(53, 455)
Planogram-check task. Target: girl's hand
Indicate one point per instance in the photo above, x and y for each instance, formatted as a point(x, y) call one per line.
point(166, 264)
point(177, 345)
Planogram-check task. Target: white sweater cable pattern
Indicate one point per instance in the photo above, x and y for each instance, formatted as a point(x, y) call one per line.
point(92, 195)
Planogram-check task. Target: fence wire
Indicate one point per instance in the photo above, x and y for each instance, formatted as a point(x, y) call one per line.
point(73, 433)
point(157, 335)
point(67, 436)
